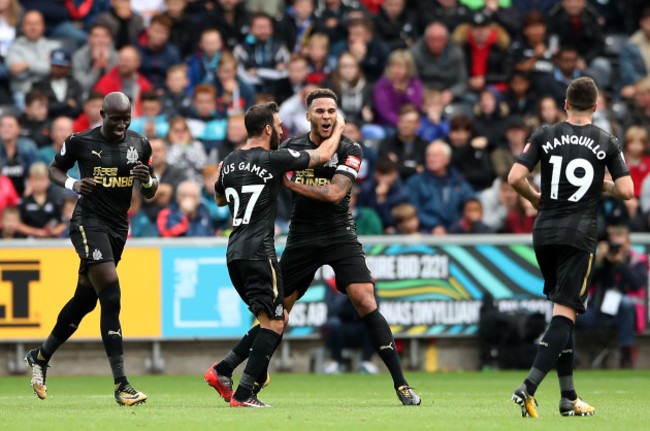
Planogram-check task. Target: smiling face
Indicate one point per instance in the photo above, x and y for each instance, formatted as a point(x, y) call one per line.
point(116, 114)
point(322, 116)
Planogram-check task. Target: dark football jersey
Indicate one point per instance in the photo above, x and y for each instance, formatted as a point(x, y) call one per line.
point(573, 161)
point(250, 180)
point(311, 218)
point(110, 164)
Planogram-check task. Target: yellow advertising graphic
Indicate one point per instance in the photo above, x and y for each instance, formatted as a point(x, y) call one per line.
point(36, 283)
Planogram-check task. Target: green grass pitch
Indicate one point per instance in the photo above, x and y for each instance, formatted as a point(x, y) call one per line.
point(450, 401)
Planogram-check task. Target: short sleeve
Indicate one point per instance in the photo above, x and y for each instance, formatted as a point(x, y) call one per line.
point(350, 163)
point(530, 154)
point(286, 159)
point(615, 160)
point(67, 156)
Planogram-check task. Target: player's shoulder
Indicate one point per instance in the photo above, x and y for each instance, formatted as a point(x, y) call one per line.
point(350, 146)
point(604, 136)
point(80, 136)
point(134, 136)
point(349, 142)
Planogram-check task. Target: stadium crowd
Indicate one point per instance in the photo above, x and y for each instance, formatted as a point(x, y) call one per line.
point(441, 94)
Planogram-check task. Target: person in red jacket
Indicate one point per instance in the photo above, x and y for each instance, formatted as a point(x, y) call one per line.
point(90, 117)
point(126, 78)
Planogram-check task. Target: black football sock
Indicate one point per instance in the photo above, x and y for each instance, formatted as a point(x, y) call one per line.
point(382, 340)
point(565, 370)
point(548, 351)
point(258, 360)
point(238, 354)
point(261, 379)
point(82, 302)
point(111, 330)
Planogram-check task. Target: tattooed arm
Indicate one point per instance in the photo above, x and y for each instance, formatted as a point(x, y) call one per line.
point(327, 148)
point(333, 193)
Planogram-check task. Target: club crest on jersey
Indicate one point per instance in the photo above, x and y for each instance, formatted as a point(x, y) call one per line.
point(131, 155)
point(526, 148)
point(353, 162)
point(333, 161)
point(294, 153)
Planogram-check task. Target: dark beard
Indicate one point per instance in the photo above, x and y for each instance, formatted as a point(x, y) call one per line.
point(274, 143)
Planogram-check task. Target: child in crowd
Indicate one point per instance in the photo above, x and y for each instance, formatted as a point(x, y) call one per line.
point(471, 221)
point(433, 124)
point(178, 94)
point(206, 123)
point(35, 122)
point(40, 211)
point(635, 148)
point(202, 66)
point(152, 122)
point(90, 118)
point(317, 52)
point(10, 223)
point(406, 220)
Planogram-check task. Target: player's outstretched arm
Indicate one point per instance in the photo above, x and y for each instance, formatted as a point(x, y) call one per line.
point(148, 183)
point(622, 188)
point(327, 148)
point(517, 178)
point(59, 177)
point(333, 193)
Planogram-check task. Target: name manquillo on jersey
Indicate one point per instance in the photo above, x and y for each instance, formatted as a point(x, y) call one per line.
point(584, 141)
point(250, 167)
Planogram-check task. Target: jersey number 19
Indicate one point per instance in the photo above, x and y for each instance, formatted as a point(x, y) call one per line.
point(233, 196)
point(583, 183)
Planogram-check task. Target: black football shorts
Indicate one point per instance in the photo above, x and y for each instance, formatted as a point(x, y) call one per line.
point(259, 284)
point(299, 263)
point(95, 244)
point(567, 273)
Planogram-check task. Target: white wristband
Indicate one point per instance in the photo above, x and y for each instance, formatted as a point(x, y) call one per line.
point(149, 184)
point(69, 182)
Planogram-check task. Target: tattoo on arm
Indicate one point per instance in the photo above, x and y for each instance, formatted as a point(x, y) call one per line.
point(314, 158)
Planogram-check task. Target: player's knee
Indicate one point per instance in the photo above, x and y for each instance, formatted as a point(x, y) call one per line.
point(363, 299)
point(110, 297)
point(277, 326)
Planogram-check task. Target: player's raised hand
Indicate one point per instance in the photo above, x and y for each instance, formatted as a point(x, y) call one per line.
point(340, 122)
point(141, 172)
point(84, 186)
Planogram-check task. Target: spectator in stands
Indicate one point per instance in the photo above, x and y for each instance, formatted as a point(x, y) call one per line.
point(10, 223)
point(176, 99)
point(497, 202)
point(367, 49)
point(187, 153)
point(366, 170)
point(507, 17)
point(639, 108)
point(262, 59)
point(147, 9)
point(433, 124)
point(140, 226)
point(317, 52)
point(8, 195)
point(407, 221)
point(366, 219)
point(35, 124)
point(206, 123)
point(635, 150)
point(620, 279)
point(219, 216)
point(470, 154)
point(63, 92)
point(202, 65)
point(547, 113)
point(169, 177)
point(125, 25)
point(90, 118)
point(490, 116)
point(126, 78)
point(297, 72)
point(576, 25)
point(40, 210)
point(384, 191)
point(503, 157)
point(292, 111)
point(28, 56)
point(533, 52)
point(296, 25)
point(232, 20)
point(234, 94)
point(406, 149)
point(396, 24)
point(236, 135)
point(344, 328)
point(152, 122)
point(471, 220)
point(604, 117)
point(351, 88)
point(521, 218)
point(485, 44)
point(183, 31)
point(156, 53)
point(439, 192)
point(451, 13)
point(333, 20)
point(519, 96)
point(634, 56)
point(62, 127)
point(566, 69)
point(187, 216)
point(440, 64)
point(10, 12)
point(397, 87)
point(95, 58)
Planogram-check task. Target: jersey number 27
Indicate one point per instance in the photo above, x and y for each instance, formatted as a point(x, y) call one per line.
point(583, 183)
point(232, 196)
